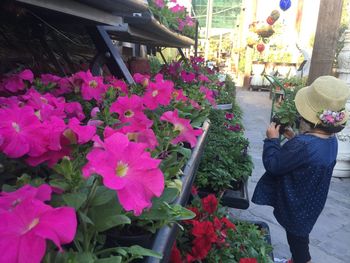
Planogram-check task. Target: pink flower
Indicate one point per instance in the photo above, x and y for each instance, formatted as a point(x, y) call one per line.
point(83, 133)
point(51, 157)
point(159, 3)
point(74, 109)
point(54, 129)
point(119, 85)
point(187, 77)
point(127, 168)
point(158, 93)
point(9, 200)
point(182, 24)
point(45, 105)
point(91, 87)
point(16, 82)
point(183, 126)
point(209, 95)
point(177, 8)
point(178, 95)
point(24, 230)
point(22, 132)
point(62, 85)
point(203, 78)
point(141, 79)
point(195, 105)
point(229, 116)
point(189, 21)
point(130, 111)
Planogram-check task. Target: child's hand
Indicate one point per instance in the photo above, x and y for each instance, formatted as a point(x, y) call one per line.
point(273, 131)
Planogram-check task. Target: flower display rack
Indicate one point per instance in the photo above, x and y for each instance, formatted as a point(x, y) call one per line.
point(166, 236)
point(105, 21)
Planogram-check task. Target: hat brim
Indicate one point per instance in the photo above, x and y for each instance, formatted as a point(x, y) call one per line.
point(307, 112)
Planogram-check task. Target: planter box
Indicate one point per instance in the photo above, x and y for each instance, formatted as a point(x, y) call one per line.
point(264, 227)
point(237, 197)
point(223, 106)
point(166, 236)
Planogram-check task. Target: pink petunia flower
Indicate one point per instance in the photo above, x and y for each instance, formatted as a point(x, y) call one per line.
point(127, 168)
point(141, 79)
point(22, 132)
point(74, 109)
point(91, 87)
point(159, 3)
point(51, 157)
point(178, 95)
point(9, 200)
point(183, 126)
point(188, 77)
point(195, 105)
point(24, 230)
point(229, 116)
point(209, 95)
point(16, 82)
point(45, 105)
point(158, 93)
point(177, 8)
point(83, 134)
point(203, 78)
point(118, 84)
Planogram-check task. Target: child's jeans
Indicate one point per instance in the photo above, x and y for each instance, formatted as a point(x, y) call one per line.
point(299, 247)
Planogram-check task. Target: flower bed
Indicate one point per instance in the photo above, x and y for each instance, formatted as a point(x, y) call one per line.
point(96, 157)
point(213, 237)
point(226, 165)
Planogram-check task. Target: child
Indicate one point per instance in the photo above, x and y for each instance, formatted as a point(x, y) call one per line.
point(298, 174)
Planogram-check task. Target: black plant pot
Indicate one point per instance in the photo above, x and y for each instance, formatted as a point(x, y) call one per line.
point(118, 238)
point(237, 196)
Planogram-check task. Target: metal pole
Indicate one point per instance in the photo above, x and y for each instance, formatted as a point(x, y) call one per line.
point(196, 40)
point(208, 27)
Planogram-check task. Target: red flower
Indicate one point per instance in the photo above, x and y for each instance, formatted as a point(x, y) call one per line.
point(229, 116)
point(200, 249)
point(194, 190)
point(204, 230)
point(248, 260)
point(228, 223)
point(217, 224)
point(175, 256)
point(210, 203)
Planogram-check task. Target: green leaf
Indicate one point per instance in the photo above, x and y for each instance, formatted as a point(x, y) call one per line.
point(184, 151)
point(105, 223)
point(115, 259)
point(75, 200)
point(65, 168)
point(103, 196)
point(85, 218)
point(140, 251)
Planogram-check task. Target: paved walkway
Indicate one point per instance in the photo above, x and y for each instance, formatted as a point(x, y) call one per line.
point(330, 238)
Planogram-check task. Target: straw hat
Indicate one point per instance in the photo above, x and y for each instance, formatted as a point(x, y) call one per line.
point(325, 94)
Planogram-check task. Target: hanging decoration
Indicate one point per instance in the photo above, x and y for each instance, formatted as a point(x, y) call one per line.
point(260, 47)
point(285, 4)
point(273, 17)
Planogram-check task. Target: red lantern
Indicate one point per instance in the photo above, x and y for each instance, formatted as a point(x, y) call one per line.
point(260, 47)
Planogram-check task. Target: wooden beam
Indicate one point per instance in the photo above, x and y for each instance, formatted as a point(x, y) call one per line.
point(325, 39)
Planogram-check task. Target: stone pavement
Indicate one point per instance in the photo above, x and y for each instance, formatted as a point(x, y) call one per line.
point(330, 238)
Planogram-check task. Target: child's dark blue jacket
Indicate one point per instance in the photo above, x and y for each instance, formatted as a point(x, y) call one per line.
point(297, 179)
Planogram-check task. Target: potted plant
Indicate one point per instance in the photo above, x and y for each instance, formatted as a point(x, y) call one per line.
point(225, 166)
point(226, 93)
point(212, 236)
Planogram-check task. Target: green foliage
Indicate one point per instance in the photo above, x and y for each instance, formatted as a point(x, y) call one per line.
point(225, 157)
point(226, 92)
point(286, 112)
point(246, 242)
